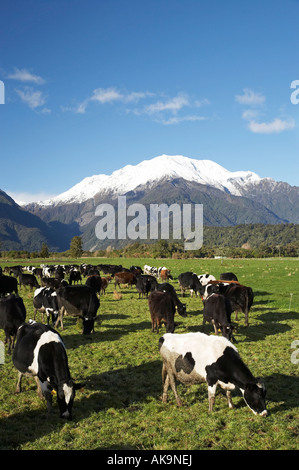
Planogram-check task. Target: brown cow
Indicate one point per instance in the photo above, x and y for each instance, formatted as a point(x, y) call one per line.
point(162, 309)
point(124, 278)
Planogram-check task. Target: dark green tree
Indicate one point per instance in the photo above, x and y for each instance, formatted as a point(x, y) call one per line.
point(76, 249)
point(44, 252)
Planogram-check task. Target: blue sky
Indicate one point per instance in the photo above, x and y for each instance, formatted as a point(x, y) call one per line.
point(91, 86)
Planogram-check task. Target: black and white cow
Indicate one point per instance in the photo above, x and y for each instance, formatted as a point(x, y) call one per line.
point(45, 301)
point(80, 301)
point(204, 279)
point(193, 358)
point(152, 270)
point(189, 280)
point(40, 352)
point(12, 315)
point(217, 310)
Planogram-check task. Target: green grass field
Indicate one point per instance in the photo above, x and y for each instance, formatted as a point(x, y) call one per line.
point(120, 405)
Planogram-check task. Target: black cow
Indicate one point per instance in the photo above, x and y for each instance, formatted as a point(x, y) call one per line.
point(162, 309)
point(145, 284)
point(45, 301)
point(8, 285)
point(28, 280)
point(12, 315)
point(193, 358)
point(80, 301)
point(240, 297)
point(75, 276)
point(40, 353)
point(228, 277)
point(217, 310)
point(166, 287)
point(95, 282)
point(190, 281)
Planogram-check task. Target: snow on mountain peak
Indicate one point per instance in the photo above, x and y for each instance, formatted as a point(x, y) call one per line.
point(129, 177)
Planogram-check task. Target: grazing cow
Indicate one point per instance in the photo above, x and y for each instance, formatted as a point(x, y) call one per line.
point(164, 274)
point(124, 278)
point(136, 270)
point(15, 270)
point(8, 285)
point(166, 287)
point(152, 270)
point(40, 353)
point(45, 301)
point(95, 282)
point(75, 276)
point(204, 279)
point(162, 309)
point(50, 282)
point(217, 310)
point(193, 358)
point(59, 273)
point(80, 301)
point(48, 271)
point(190, 281)
point(28, 280)
point(228, 277)
point(104, 283)
point(240, 297)
point(111, 269)
point(145, 284)
point(12, 315)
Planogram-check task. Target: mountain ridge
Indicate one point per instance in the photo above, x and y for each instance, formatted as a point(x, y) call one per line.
point(164, 166)
point(228, 198)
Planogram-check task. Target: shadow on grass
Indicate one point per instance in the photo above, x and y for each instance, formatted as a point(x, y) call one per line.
point(127, 387)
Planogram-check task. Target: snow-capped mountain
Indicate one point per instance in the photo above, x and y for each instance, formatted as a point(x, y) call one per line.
point(148, 172)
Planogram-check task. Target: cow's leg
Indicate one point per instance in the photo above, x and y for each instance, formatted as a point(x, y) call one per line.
point(211, 396)
point(215, 327)
point(47, 393)
point(173, 387)
point(229, 399)
point(19, 383)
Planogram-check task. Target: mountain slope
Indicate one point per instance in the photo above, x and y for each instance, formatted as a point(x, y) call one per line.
point(21, 230)
point(228, 198)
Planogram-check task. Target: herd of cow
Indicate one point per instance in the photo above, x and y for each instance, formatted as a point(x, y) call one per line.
point(38, 350)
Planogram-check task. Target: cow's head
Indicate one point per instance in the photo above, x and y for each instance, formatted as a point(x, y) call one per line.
point(255, 396)
point(65, 398)
point(182, 310)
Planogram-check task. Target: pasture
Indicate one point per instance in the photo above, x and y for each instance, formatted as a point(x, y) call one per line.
point(120, 407)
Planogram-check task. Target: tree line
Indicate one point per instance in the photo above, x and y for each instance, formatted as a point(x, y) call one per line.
point(241, 241)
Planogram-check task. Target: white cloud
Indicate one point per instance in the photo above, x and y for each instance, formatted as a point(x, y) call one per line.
point(109, 95)
point(249, 97)
point(179, 119)
point(24, 75)
point(32, 98)
point(106, 95)
point(173, 105)
point(165, 111)
point(276, 126)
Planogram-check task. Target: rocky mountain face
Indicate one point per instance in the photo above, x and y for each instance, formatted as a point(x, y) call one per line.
point(228, 198)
